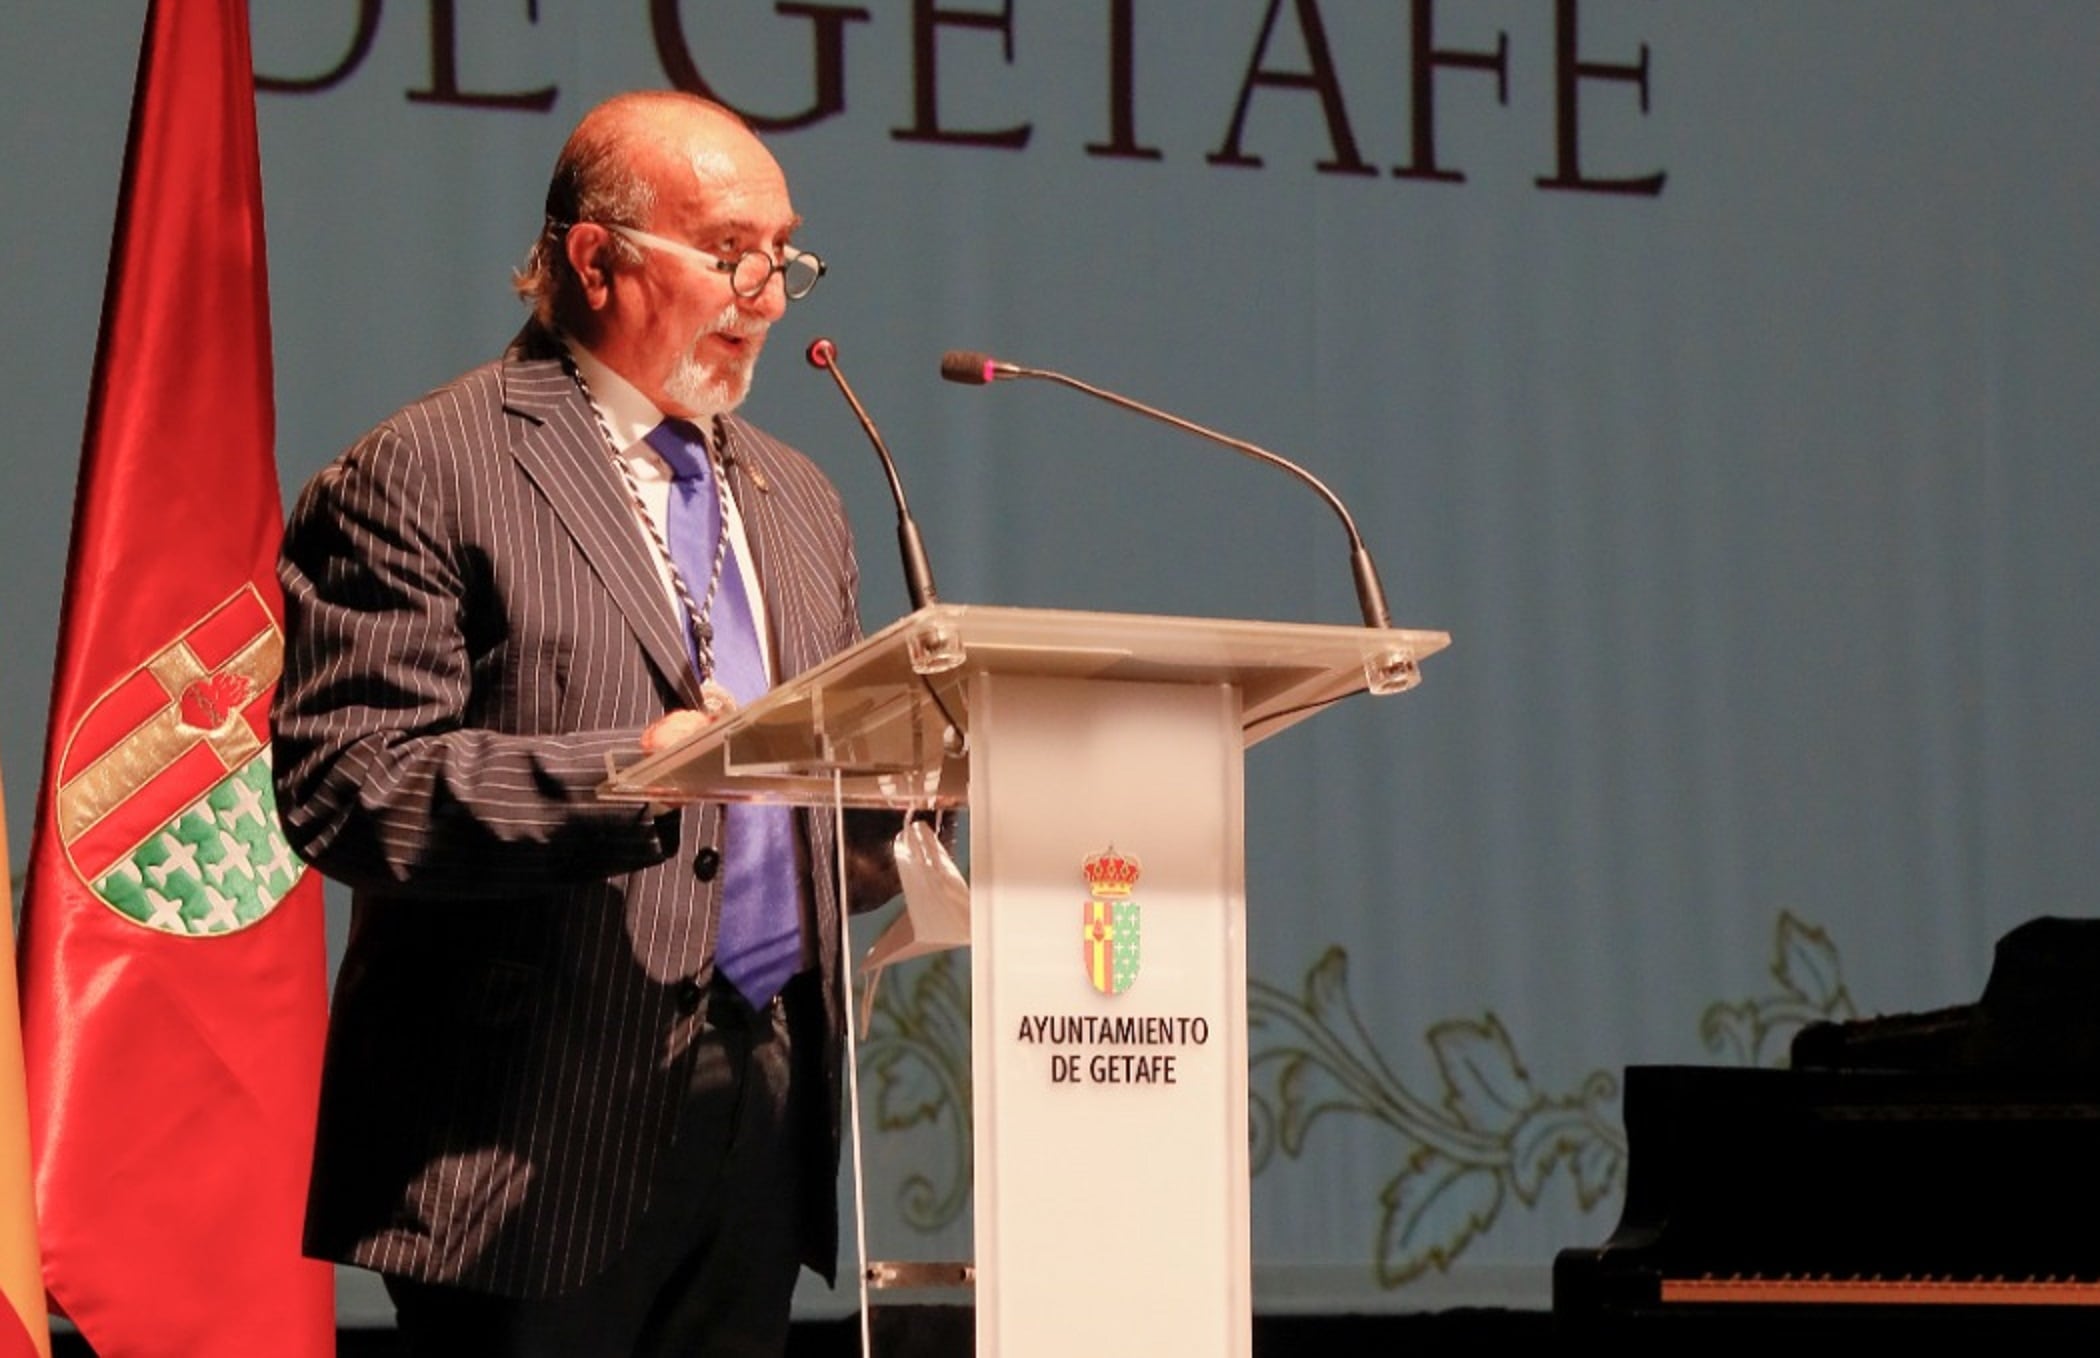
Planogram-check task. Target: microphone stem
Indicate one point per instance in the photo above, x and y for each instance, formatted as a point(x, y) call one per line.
point(918, 570)
point(1370, 594)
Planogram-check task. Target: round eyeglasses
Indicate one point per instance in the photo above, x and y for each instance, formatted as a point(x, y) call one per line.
point(749, 272)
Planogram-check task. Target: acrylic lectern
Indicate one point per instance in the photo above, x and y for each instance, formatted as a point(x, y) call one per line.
point(1100, 758)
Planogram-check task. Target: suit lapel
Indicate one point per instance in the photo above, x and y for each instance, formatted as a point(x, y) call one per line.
point(561, 448)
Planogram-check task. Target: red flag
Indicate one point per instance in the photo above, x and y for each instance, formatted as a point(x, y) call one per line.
point(172, 948)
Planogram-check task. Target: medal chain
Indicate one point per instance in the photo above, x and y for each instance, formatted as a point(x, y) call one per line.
point(697, 613)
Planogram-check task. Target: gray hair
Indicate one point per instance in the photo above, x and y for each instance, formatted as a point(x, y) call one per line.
point(595, 181)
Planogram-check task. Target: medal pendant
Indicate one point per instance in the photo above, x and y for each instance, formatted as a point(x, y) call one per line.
point(715, 700)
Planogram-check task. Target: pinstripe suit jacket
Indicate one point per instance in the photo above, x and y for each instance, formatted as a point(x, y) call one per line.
point(474, 625)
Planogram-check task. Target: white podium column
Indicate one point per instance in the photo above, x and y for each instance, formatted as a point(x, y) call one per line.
point(1110, 1128)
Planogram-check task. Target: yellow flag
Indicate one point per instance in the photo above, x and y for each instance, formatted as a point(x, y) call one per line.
point(24, 1329)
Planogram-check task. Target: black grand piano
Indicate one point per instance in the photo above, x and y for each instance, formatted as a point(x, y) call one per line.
point(1933, 1173)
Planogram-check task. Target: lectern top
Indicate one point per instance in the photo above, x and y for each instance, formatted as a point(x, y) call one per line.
point(883, 723)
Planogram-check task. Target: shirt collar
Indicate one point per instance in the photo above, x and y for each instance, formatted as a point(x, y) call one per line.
point(628, 415)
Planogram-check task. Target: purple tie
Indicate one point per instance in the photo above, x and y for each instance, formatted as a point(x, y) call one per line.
point(758, 945)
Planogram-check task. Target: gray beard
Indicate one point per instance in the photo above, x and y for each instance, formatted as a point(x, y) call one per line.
point(708, 394)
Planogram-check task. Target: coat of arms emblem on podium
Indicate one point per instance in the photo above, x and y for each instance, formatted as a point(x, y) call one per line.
point(1108, 928)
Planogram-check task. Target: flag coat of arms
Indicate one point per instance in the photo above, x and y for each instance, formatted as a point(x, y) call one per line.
point(173, 965)
point(1108, 922)
point(164, 800)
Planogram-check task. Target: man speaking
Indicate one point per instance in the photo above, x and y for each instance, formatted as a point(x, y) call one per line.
point(581, 1093)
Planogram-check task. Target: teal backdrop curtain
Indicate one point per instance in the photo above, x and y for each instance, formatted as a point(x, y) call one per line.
point(1720, 375)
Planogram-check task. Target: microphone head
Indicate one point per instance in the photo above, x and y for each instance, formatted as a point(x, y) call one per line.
point(821, 352)
point(970, 369)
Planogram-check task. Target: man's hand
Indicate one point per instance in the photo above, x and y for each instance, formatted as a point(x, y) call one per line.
point(674, 727)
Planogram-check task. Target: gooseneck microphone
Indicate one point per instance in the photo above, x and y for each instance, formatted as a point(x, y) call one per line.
point(918, 575)
point(974, 369)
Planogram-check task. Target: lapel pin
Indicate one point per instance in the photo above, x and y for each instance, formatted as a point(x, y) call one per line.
point(730, 458)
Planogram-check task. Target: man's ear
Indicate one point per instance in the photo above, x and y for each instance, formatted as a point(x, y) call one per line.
point(588, 248)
